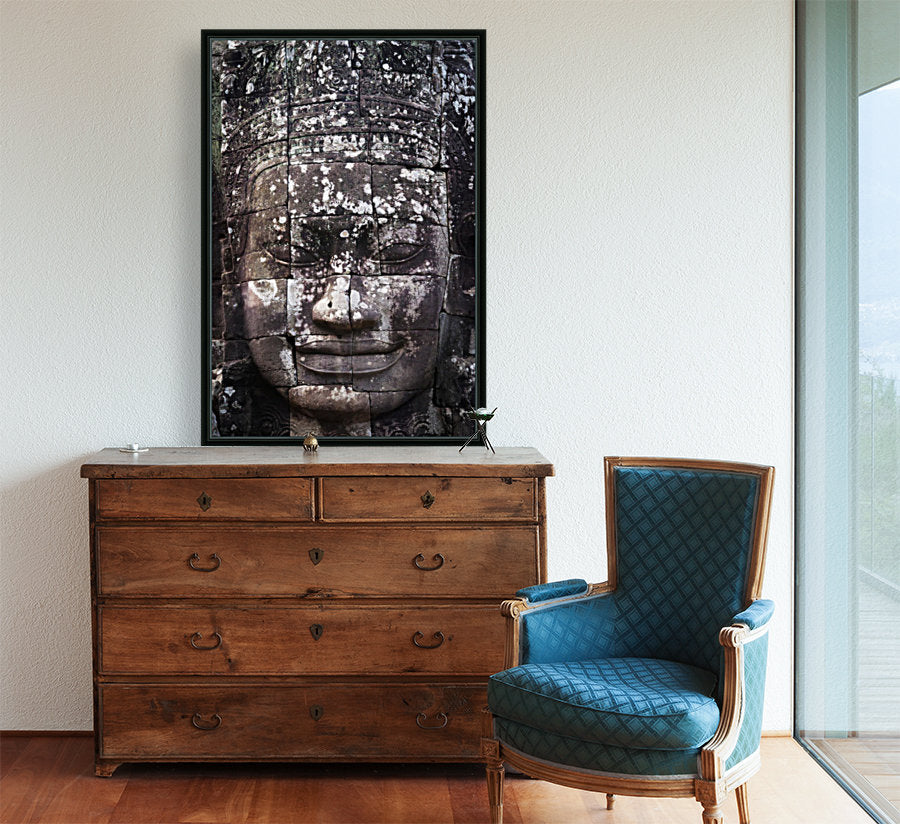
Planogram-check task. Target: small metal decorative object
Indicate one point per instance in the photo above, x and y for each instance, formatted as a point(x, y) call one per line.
point(135, 449)
point(480, 416)
point(310, 443)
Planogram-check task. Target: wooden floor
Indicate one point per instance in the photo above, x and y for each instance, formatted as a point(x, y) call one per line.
point(877, 659)
point(49, 779)
point(871, 765)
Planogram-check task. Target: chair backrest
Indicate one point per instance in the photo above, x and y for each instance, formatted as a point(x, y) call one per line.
point(686, 544)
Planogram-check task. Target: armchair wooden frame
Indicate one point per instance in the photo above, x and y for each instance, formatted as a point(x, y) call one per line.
point(712, 783)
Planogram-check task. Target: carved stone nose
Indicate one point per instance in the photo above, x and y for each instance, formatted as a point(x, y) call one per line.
point(342, 309)
point(332, 309)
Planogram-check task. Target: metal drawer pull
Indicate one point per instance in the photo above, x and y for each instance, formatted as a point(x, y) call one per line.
point(438, 636)
point(427, 499)
point(417, 562)
point(215, 558)
point(197, 636)
point(441, 717)
point(205, 501)
point(200, 724)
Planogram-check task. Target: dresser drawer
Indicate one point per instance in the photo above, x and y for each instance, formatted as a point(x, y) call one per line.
point(383, 561)
point(428, 499)
point(208, 499)
point(325, 722)
point(321, 640)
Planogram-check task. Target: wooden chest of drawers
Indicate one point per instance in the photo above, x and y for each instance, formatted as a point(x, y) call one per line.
point(263, 603)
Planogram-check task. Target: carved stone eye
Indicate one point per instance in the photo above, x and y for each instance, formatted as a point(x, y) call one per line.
point(400, 252)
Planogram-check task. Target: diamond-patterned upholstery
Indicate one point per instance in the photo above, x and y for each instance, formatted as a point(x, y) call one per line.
point(683, 538)
point(584, 628)
point(756, 654)
point(627, 702)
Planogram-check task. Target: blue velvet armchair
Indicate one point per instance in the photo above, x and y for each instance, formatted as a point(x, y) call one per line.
point(650, 684)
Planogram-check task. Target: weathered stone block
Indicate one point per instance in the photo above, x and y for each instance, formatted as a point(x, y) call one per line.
point(461, 288)
point(458, 132)
point(416, 417)
point(408, 141)
point(330, 189)
point(274, 357)
point(237, 350)
point(254, 179)
point(264, 251)
point(454, 385)
point(232, 312)
point(265, 307)
point(248, 67)
point(403, 302)
point(247, 122)
point(461, 187)
point(409, 194)
point(323, 70)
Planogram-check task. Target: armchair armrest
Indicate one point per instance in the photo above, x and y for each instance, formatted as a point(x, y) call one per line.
point(553, 590)
point(537, 622)
point(756, 615)
point(745, 647)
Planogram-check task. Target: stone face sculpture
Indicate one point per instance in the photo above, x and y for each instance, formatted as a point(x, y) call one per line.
point(343, 237)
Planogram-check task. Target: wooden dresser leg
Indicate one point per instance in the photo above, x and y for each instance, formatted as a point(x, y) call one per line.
point(743, 803)
point(104, 769)
point(610, 800)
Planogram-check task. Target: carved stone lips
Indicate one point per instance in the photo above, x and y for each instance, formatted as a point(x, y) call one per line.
point(349, 357)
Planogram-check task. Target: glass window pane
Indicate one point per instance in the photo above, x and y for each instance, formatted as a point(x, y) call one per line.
point(848, 393)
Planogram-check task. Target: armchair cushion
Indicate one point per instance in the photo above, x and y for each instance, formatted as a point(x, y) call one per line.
point(591, 755)
point(626, 702)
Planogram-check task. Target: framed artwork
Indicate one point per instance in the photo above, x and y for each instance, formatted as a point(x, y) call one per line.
point(343, 235)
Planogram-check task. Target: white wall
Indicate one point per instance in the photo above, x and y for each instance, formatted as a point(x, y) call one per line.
point(639, 278)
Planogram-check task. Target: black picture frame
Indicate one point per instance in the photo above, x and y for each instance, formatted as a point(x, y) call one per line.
point(240, 407)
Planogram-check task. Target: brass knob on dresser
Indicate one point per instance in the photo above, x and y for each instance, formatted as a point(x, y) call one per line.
point(198, 636)
point(438, 637)
point(216, 563)
point(200, 724)
point(441, 718)
point(439, 562)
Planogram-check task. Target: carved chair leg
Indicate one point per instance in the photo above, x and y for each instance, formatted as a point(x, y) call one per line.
point(713, 814)
point(495, 773)
point(610, 800)
point(743, 803)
